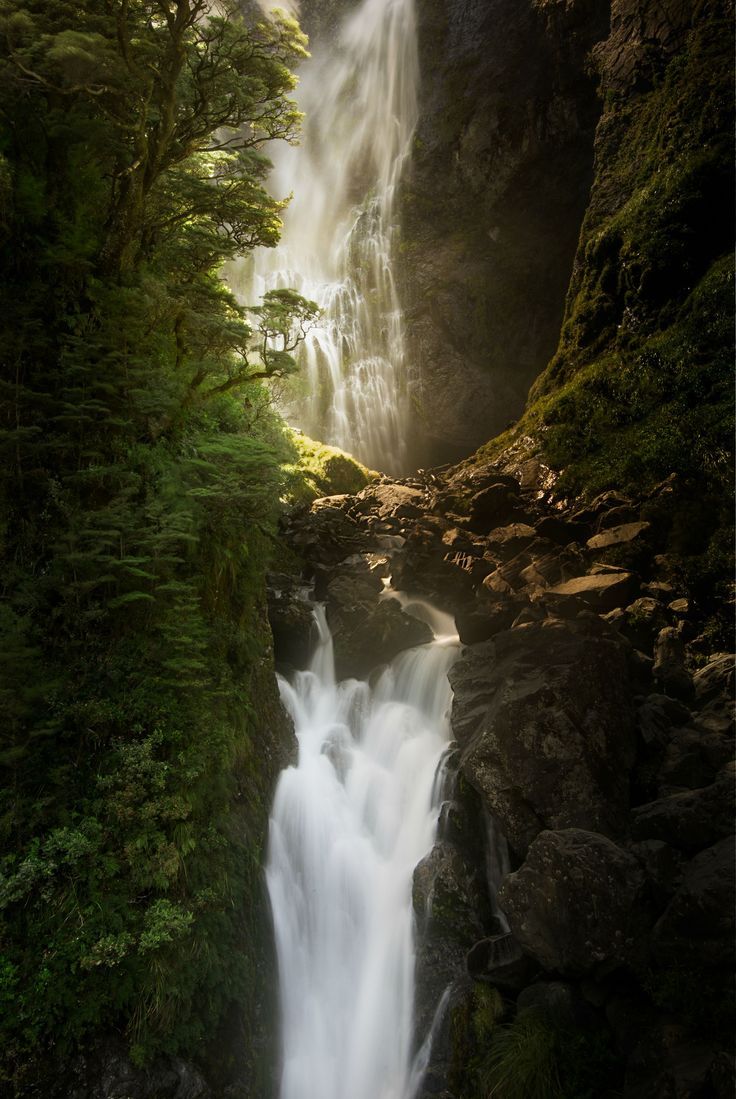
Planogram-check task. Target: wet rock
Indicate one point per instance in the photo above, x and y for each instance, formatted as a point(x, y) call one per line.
point(699, 919)
point(543, 718)
point(690, 820)
point(291, 616)
point(500, 961)
point(452, 911)
point(110, 1074)
point(577, 903)
point(367, 629)
point(602, 591)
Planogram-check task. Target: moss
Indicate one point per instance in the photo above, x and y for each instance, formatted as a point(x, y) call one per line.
point(314, 469)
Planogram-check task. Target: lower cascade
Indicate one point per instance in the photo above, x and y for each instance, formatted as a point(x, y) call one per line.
point(350, 822)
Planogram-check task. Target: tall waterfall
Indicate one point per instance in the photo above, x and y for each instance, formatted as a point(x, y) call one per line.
point(349, 824)
point(359, 96)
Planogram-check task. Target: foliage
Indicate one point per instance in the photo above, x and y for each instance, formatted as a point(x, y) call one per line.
point(540, 1057)
point(314, 469)
point(138, 490)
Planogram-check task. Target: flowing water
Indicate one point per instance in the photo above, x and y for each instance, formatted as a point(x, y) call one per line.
point(359, 97)
point(349, 824)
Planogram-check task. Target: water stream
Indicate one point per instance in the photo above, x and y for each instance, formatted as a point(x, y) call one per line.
point(350, 822)
point(359, 96)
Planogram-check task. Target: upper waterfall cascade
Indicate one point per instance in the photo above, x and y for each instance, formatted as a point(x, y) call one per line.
point(359, 98)
point(349, 824)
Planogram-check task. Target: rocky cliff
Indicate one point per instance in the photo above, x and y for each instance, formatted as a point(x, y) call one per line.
point(498, 186)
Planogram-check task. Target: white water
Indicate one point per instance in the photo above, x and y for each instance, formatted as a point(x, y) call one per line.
point(359, 96)
point(349, 824)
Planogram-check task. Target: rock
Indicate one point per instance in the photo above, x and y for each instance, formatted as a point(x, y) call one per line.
point(452, 911)
point(109, 1074)
point(669, 669)
point(602, 592)
point(390, 500)
point(543, 718)
point(690, 820)
point(663, 866)
point(366, 629)
point(692, 759)
point(699, 920)
point(577, 904)
point(493, 504)
point(642, 621)
point(667, 1061)
point(617, 536)
point(562, 531)
point(477, 624)
point(716, 678)
point(658, 715)
point(557, 999)
point(500, 961)
point(291, 616)
point(512, 538)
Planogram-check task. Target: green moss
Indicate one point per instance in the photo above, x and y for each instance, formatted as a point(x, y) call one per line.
point(314, 469)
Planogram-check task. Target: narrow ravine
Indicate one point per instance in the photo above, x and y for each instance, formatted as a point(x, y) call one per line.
point(350, 822)
point(359, 97)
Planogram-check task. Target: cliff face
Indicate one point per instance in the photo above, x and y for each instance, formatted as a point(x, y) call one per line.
point(492, 208)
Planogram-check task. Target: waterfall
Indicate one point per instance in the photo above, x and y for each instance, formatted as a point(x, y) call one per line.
point(349, 824)
point(359, 96)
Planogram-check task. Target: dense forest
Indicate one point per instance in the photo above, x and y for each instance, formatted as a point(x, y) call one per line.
point(141, 472)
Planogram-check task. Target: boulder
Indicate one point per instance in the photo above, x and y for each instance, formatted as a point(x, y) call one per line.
point(601, 591)
point(368, 630)
point(577, 904)
point(543, 719)
point(500, 961)
point(699, 920)
point(617, 536)
point(493, 505)
point(388, 500)
point(690, 820)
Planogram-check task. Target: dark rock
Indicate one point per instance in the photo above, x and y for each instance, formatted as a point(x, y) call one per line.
point(663, 866)
point(492, 505)
point(452, 912)
point(642, 621)
point(557, 999)
point(562, 531)
point(690, 820)
point(669, 1062)
point(367, 629)
point(476, 624)
point(510, 539)
point(577, 903)
point(500, 961)
point(658, 715)
point(291, 616)
point(602, 591)
point(389, 500)
point(543, 719)
point(669, 665)
point(699, 920)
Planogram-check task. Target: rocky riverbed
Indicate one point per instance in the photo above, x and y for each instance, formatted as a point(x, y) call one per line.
point(592, 774)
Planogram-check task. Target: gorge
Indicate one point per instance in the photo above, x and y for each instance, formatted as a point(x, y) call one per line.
point(383, 750)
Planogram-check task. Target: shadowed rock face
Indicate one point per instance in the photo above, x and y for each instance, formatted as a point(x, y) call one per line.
point(492, 209)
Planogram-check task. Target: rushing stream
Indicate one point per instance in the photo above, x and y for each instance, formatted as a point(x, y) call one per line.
point(349, 824)
point(359, 97)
